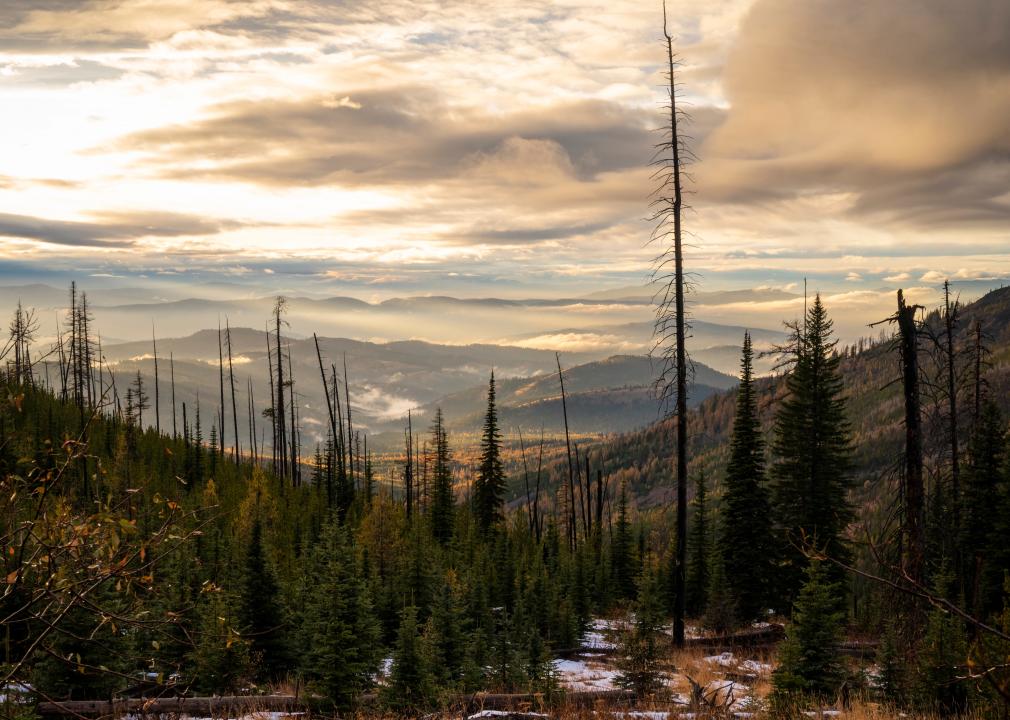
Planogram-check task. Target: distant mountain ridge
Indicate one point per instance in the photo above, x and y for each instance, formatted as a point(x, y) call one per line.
point(644, 457)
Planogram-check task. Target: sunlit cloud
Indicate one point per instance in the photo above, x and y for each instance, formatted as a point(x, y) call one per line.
point(475, 146)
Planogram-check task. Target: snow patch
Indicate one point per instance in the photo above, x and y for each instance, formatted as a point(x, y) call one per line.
point(582, 675)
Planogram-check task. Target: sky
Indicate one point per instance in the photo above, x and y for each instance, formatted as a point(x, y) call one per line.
point(502, 148)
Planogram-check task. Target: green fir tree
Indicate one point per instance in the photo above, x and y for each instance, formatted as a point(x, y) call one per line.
point(747, 543)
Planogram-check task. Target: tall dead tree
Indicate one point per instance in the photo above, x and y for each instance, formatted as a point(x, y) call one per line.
point(171, 371)
point(408, 470)
point(350, 430)
point(252, 420)
point(22, 332)
point(231, 384)
point(341, 444)
point(271, 410)
point(914, 486)
point(279, 420)
point(295, 475)
point(526, 479)
point(571, 467)
point(671, 321)
point(220, 374)
point(326, 388)
point(950, 314)
point(157, 393)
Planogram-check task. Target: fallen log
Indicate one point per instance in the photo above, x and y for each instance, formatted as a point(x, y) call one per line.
point(237, 705)
point(750, 638)
point(504, 701)
point(224, 706)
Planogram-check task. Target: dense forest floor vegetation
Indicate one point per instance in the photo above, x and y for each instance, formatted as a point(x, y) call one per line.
point(147, 561)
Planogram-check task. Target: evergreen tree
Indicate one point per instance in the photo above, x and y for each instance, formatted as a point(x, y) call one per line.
point(622, 561)
point(810, 666)
point(489, 488)
point(698, 551)
point(445, 632)
point(746, 542)
point(942, 655)
point(638, 662)
point(339, 633)
point(86, 653)
point(220, 654)
point(813, 451)
point(259, 611)
point(982, 548)
point(721, 613)
point(442, 495)
point(891, 681)
point(410, 680)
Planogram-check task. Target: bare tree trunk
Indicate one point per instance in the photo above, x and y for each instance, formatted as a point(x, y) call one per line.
point(171, 371)
point(977, 409)
point(526, 479)
point(279, 421)
point(571, 470)
point(408, 479)
point(950, 319)
point(672, 210)
point(326, 388)
point(350, 429)
point(914, 494)
point(294, 423)
point(273, 409)
point(231, 384)
point(341, 445)
point(220, 372)
point(252, 421)
point(157, 393)
point(536, 494)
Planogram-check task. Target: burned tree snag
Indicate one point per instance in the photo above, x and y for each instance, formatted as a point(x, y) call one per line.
point(914, 487)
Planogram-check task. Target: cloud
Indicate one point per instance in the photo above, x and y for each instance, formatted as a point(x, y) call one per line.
point(393, 136)
point(936, 276)
point(111, 229)
point(900, 277)
point(870, 100)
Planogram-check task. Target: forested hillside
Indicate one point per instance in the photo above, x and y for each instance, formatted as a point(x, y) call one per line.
point(870, 372)
point(166, 562)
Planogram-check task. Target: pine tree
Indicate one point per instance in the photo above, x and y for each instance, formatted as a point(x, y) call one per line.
point(721, 612)
point(813, 451)
point(446, 633)
point(981, 546)
point(622, 560)
point(810, 665)
point(638, 662)
point(220, 654)
point(746, 542)
point(698, 551)
point(339, 633)
point(939, 685)
point(259, 611)
point(442, 496)
point(410, 680)
point(489, 488)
